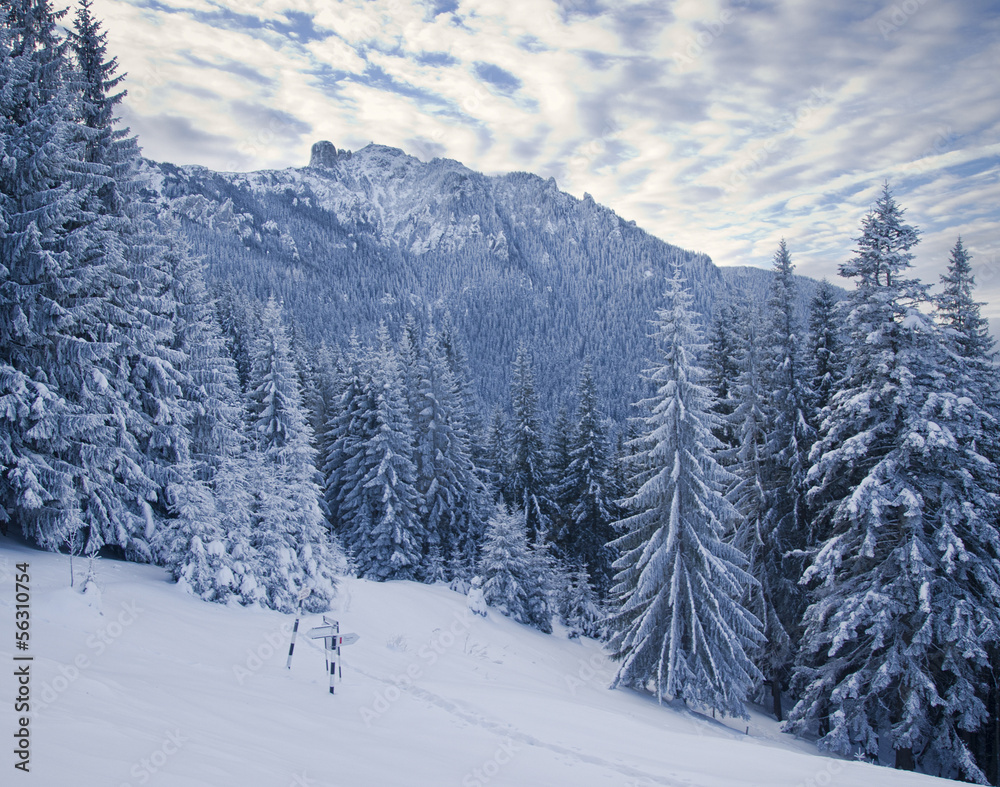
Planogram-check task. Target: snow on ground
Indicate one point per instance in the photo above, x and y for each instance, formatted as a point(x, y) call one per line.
point(143, 684)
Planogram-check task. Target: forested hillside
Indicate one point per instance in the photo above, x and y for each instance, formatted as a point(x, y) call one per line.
point(359, 237)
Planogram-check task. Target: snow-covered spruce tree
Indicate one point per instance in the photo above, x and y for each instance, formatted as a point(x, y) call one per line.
point(528, 471)
point(790, 434)
point(972, 372)
point(472, 423)
point(587, 489)
point(497, 457)
point(559, 445)
point(826, 361)
point(348, 429)
point(379, 498)
point(36, 486)
point(289, 533)
point(206, 543)
point(721, 363)
point(451, 494)
point(579, 609)
point(967, 331)
point(905, 589)
point(508, 570)
point(140, 310)
point(240, 323)
point(74, 468)
point(679, 621)
point(756, 533)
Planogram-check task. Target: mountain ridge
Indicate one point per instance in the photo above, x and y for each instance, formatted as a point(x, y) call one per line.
point(358, 237)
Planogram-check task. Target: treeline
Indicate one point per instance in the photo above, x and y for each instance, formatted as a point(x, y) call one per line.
point(417, 484)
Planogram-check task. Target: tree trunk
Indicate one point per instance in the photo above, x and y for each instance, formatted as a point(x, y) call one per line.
point(904, 760)
point(776, 698)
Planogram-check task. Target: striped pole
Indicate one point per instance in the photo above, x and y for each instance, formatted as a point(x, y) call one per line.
point(339, 667)
point(303, 595)
point(291, 646)
point(333, 663)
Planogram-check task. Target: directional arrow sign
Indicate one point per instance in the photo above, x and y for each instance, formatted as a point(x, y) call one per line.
point(330, 621)
point(321, 631)
point(304, 594)
point(348, 639)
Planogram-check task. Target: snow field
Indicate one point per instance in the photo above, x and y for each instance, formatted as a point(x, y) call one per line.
point(143, 684)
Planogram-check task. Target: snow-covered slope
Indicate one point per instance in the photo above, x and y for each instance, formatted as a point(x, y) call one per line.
point(146, 685)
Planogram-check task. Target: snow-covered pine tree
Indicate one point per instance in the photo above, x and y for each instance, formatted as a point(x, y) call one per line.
point(826, 362)
point(36, 486)
point(289, 532)
point(450, 491)
point(75, 469)
point(379, 497)
point(140, 309)
point(579, 609)
point(348, 429)
point(967, 331)
point(753, 495)
point(497, 457)
point(240, 324)
point(325, 392)
point(721, 363)
point(560, 516)
point(679, 620)
point(207, 548)
point(790, 434)
point(509, 570)
point(472, 423)
point(588, 489)
point(528, 471)
point(435, 453)
point(972, 371)
point(906, 587)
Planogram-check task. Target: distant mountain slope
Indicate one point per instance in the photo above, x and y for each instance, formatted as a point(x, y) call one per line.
point(373, 235)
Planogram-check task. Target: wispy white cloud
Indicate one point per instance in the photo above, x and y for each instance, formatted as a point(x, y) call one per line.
point(721, 126)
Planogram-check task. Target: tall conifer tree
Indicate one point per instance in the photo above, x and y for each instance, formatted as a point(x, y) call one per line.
point(680, 623)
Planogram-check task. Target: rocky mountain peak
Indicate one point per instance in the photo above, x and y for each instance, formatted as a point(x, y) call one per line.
point(323, 155)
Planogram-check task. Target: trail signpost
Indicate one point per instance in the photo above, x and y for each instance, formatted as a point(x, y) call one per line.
point(332, 641)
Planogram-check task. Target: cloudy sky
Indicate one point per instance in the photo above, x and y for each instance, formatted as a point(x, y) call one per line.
point(718, 126)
